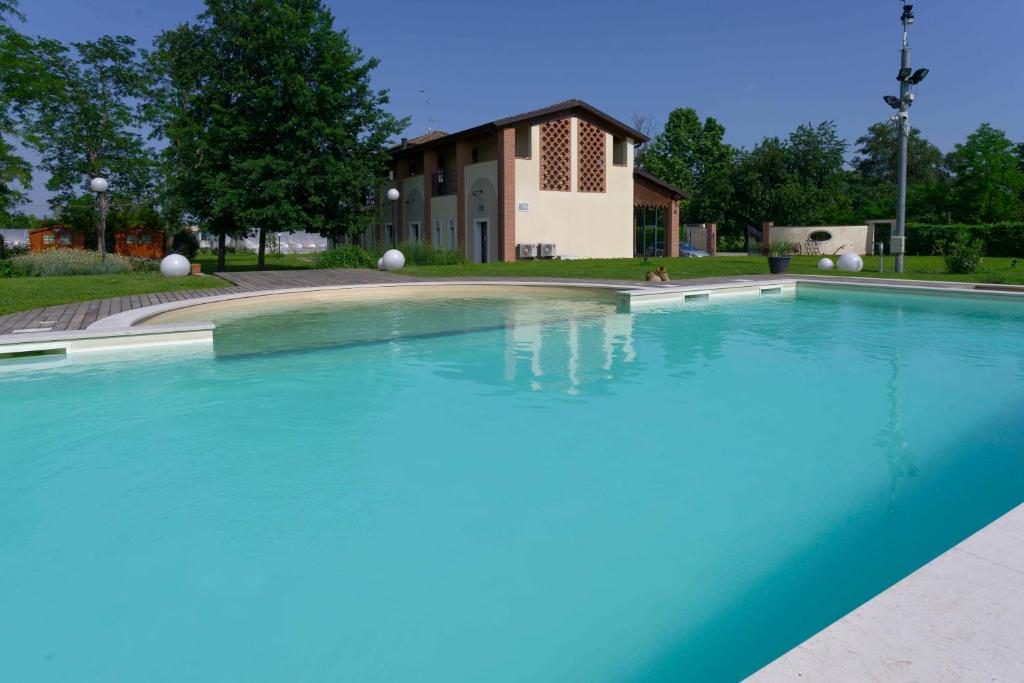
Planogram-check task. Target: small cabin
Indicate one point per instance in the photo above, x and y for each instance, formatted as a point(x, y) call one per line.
point(55, 237)
point(139, 241)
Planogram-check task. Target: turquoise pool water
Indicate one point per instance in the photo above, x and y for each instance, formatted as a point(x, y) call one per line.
point(536, 488)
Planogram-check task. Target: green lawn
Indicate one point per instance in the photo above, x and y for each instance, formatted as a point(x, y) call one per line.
point(23, 293)
point(993, 270)
point(237, 262)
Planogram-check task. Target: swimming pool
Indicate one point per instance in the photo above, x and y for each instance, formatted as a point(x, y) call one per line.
point(502, 487)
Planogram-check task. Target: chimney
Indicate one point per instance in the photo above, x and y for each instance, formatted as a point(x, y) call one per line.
point(405, 142)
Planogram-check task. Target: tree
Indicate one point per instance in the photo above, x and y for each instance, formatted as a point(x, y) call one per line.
point(17, 85)
point(796, 181)
point(873, 181)
point(691, 155)
point(987, 183)
point(285, 125)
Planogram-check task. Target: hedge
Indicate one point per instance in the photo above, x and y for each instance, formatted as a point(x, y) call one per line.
point(1000, 239)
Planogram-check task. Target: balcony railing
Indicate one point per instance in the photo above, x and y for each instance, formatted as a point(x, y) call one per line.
point(444, 182)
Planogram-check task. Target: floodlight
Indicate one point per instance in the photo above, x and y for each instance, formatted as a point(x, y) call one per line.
point(918, 76)
point(908, 14)
point(904, 73)
point(892, 101)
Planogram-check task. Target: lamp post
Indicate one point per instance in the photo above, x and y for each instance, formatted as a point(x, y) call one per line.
point(99, 185)
point(393, 196)
point(907, 78)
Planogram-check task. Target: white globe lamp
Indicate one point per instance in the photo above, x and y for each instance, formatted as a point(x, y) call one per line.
point(393, 259)
point(825, 264)
point(175, 265)
point(99, 185)
point(851, 263)
point(393, 194)
point(380, 263)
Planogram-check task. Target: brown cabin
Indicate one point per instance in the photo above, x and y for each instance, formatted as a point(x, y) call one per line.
point(55, 237)
point(139, 241)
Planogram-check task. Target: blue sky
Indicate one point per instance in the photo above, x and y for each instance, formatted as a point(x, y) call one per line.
point(759, 67)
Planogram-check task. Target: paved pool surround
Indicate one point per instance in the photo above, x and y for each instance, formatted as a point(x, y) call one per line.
point(954, 619)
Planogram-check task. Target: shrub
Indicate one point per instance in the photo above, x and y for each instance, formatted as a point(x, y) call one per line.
point(421, 254)
point(999, 239)
point(75, 262)
point(7, 268)
point(780, 249)
point(346, 256)
point(185, 243)
point(962, 254)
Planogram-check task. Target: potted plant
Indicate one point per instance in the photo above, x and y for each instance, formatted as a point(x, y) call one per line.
point(779, 256)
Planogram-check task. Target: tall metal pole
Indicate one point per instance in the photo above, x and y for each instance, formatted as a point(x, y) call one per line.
point(898, 246)
point(103, 225)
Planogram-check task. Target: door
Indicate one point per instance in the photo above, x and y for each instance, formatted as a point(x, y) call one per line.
point(482, 242)
point(414, 232)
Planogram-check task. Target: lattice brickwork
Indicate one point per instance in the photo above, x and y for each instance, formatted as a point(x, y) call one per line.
point(591, 158)
point(556, 155)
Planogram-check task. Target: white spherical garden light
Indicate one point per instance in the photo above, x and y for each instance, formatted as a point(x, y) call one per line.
point(851, 263)
point(380, 263)
point(825, 264)
point(393, 195)
point(175, 265)
point(99, 185)
point(393, 259)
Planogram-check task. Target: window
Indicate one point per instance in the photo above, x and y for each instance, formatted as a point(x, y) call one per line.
point(147, 238)
point(47, 239)
point(619, 156)
point(523, 150)
point(451, 233)
point(413, 168)
point(389, 233)
point(65, 239)
point(437, 234)
point(132, 239)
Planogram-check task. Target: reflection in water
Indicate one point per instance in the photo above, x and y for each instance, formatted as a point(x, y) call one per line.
point(567, 355)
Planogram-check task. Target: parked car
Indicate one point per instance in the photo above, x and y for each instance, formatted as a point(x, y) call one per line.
point(687, 250)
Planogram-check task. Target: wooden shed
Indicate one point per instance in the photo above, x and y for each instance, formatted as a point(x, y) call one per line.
point(140, 241)
point(54, 237)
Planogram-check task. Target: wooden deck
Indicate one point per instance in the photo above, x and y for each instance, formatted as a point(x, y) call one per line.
point(78, 316)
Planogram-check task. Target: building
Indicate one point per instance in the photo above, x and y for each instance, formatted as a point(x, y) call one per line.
point(555, 181)
point(139, 241)
point(55, 236)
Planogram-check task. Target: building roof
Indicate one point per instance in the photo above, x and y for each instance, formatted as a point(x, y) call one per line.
point(558, 110)
point(655, 180)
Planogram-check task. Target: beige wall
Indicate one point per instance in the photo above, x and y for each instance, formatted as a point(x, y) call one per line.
point(445, 209)
point(482, 176)
point(583, 224)
point(412, 189)
point(846, 239)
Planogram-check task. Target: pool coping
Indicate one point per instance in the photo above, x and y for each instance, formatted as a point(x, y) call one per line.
point(957, 618)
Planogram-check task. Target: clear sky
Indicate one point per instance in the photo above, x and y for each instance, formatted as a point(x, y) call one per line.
point(760, 67)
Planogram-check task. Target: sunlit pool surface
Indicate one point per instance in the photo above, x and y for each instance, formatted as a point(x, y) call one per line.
point(521, 488)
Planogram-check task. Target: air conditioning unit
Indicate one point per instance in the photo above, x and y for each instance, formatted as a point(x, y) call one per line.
point(548, 251)
point(526, 250)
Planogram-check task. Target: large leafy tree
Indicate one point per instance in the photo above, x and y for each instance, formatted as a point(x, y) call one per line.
point(873, 179)
point(19, 81)
point(87, 123)
point(988, 183)
point(796, 181)
point(692, 155)
point(273, 110)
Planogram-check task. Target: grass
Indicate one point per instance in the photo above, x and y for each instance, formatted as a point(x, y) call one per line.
point(993, 270)
point(240, 262)
point(24, 293)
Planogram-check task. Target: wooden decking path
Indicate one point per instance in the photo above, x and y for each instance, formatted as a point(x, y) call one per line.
point(78, 316)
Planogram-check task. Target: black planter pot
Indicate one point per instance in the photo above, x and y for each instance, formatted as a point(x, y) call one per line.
point(778, 264)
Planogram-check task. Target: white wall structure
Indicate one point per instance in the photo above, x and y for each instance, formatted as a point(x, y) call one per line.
point(842, 239)
point(582, 224)
point(481, 181)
